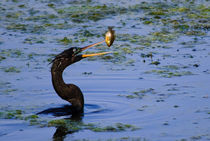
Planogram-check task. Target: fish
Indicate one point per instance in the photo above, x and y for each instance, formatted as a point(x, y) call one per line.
point(110, 36)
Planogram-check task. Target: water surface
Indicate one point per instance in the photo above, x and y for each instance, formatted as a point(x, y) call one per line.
point(156, 81)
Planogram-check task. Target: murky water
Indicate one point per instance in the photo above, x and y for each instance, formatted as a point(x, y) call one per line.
point(154, 86)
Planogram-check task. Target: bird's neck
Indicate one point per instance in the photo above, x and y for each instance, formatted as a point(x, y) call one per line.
point(58, 82)
point(70, 92)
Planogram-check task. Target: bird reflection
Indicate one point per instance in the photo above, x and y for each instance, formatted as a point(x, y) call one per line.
point(62, 131)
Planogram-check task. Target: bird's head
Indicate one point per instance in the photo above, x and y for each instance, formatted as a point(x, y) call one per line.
point(73, 55)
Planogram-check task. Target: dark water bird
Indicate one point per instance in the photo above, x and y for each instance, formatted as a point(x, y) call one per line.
point(71, 92)
point(68, 92)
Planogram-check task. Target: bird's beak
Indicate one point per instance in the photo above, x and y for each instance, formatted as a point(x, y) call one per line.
point(93, 54)
point(84, 48)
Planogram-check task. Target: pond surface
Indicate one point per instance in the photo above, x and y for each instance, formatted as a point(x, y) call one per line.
point(154, 86)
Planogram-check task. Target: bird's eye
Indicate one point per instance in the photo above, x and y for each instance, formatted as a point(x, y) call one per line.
point(74, 50)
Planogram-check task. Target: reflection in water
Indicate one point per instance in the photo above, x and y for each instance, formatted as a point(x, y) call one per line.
point(71, 122)
point(62, 131)
point(60, 111)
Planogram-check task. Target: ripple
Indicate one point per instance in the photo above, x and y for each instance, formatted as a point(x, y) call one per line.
point(93, 108)
point(109, 108)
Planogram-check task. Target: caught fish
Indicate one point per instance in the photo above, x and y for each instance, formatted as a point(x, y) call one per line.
point(109, 36)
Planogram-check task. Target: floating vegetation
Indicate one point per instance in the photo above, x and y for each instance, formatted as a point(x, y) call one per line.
point(155, 63)
point(67, 124)
point(127, 50)
point(26, 28)
point(45, 17)
point(87, 12)
point(186, 19)
point(21, 115)
point(84, 33)
point(33, 40)
point(140, 94)
point(74, 126)
point(65, 41)
point(9, 90)
point(116, 128)
point(149, 55)
point(171, 67)
point(16, 114)
point(17, 27)
point(12, 69)
point(2, 58)
point(164, 38)
point(14, 53)
point(168, 73)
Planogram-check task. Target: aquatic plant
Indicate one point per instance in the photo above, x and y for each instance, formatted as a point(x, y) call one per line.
point(65, 41)
point(168, 73)
point(12, 69)
point(140, 94)
point(74, 126)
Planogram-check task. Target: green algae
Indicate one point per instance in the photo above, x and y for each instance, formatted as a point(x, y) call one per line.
point(163, 36)
point(22, 6)
point(31, 117)
point(171, 67)
point(26, 28)
point(21, 115)
point(150, 90)
point(135, 39)
point(155, 63)
point(13, 15)
point(186, 19)
point(14, 53)
point(2, 58)
point(140, 94)
point(74, 126)
point(9, 91)
point(181, 20)
point(118, 127)
point(34, 120)
point(15, 114)
point(153, 37)
point(45, 17)
point(12, 69)
point(127, 50)
point(65, 41)
point(84, 33)
point(34, 40)
point(61, 122)
point(169, 74)
point(148, 55)
point(22, 27)
point(81, 14)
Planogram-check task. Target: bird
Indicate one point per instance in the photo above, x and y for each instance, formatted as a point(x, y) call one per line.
point(68, 92)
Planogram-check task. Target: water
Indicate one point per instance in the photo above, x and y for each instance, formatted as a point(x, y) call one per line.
point(167, 101)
